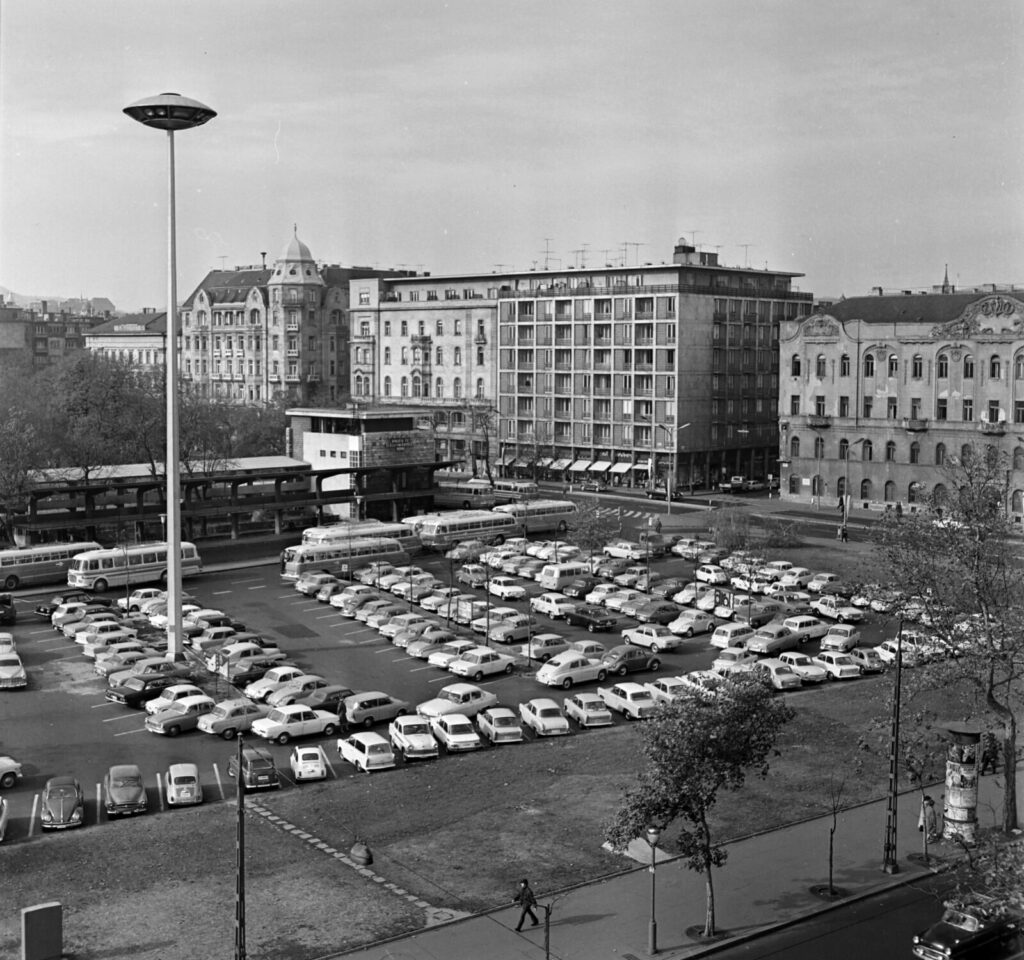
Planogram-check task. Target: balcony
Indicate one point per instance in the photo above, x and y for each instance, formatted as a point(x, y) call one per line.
point(914, 424)
point(997, 429)
point(818, 421)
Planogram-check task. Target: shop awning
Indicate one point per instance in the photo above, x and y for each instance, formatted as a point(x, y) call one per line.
point(642, 465)
point(545, 462)
point(580, 466)
point(523, 463)
point(506, 460)
point(620, 467)
point(600, 466)
point(559, 464)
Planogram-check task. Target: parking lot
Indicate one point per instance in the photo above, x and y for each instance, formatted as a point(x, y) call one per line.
point(62, 724)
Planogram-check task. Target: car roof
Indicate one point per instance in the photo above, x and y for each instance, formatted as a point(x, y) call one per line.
point(124, 769)
point(367, 736)
point(182, 768)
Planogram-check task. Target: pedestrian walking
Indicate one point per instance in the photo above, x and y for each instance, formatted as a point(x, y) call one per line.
point(899, 510)
point(989, 753)
point(526, 900)
point(844, 534)
point(928, 821)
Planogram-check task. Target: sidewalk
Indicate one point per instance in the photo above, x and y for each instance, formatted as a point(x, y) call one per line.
point(764, 884)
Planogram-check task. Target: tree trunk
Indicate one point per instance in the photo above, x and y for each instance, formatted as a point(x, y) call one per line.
point(831, 854)
point(709, 913)
point(1009, 772)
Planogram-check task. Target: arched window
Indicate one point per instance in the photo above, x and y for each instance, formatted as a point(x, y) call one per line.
point(794, 365)
point(942, 366)
point(965, 453)
point(819, 448)
point(869, 365)
point(405, 386)
point(417, 385)
point(968, 367)
point(458, 419)
point(387, 355)
point(440, 356)
point(416, 357)
point(894, 365)
point(844, 449)
point(867, 450)
point(819, 366)
point(439, 388)
point(794, 447)
point(357, 382)
point(254, 316)
point(1018, 368)
point(1018, 458)
point(817, 486)
point(405, 356)
point(995, 368)
point(890, 491)
point(940, 454)
point(917, 367)
point(440, 328)
point(794, 483)
point(480, 388)
point(458, 356)
point(844, 365)
point(457, 388)
point(890, 451)
point(914, 491)
point(458, 327)
point(840, 487)
point(387, 386)
point(865, 490)
point(1017, 501)
point(915, 452)
point(939, 494)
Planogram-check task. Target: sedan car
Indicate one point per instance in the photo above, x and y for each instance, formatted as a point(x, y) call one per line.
point(171, 694)
point(594, 618)
point(411, 738)
point(667, 689)
point(231, 717)
point(182, 786)
point(691, 622)
point(446, 654)
point(367, 751)
point(10, 772)
point(615, 601)
point(438, 598)
point(141, 689)
point(709, 573)
point(625, 659)
point(544, 717)
point(296, 689)
point(867, 659)
point(124, 791)
point(733, 660)
point(654, 636)
point(837, 666)
point(587, 709)
point(569, 668)
point(456, 733)
point(62, 805)
point(780, 675)
point(462, 698)
point(841, 638)
point(372, 706)
point(657, 611)
point(180, 716)
point(308, 762)
point(554, 605)
point(274, 678)
point(506, 588)
point(12, 672)
point(499, 725)
point(295, 720)
point(802, 666)
point(544, 646)
point(481, 662)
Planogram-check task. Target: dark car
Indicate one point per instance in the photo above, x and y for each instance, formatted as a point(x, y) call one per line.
point(8, 615)
point(137, 690)
point(666, 588)
point(658, 493)
point(249, 669)
point(72, 596)
point(330, 698)
point(258, 770)
point(960, 935)
point(610, 567)
point(581, 586)
point(625, 659)
point(658, 611)
point(593, 618)
point(593, 486)
point(124, 791)
point(63, 804)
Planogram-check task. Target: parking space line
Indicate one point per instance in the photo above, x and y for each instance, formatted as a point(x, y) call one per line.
point(99, 804)
point(220, 783)
point(221, 593)
point(330, 616)
point(246, 580)
point(106, 703)
point(160, 791)
point(421, 669)
point(120, 716)
point(128, 733)
point(35, 815)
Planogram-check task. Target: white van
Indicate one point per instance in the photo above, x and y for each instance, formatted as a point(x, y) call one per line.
point(729, 634)
point(557, 576)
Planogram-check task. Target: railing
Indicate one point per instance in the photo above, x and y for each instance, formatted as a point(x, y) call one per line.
point(753, 293)
point(819, 420)
point(914, 424)
point(993, 429)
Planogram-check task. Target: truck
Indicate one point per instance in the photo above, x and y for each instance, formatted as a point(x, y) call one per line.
point(469, 610)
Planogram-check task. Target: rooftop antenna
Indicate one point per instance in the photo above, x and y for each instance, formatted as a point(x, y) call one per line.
point(746, 253)
point(222, 259)
point(577, 253)
point(547, 251)
point(583, 258)
point(636, 249)
point(607, 256)
point(693, 237)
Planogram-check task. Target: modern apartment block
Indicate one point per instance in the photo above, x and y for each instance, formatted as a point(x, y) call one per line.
point(253, 333)
point(623, 374)
point(878, 392)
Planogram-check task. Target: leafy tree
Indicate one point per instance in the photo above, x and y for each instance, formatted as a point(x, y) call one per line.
point(483, 419)
point(992, 877)
point(957, 562)
point(694, 748)
point(591, 530)
point(23, 446)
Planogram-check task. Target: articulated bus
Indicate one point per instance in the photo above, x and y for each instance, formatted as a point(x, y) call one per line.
point(512, 491)
point(341, 558)
point(465, 494)
point(45, 563)
point(342, 532)
point(129, 565)
point(443, 530)
point(540, 516)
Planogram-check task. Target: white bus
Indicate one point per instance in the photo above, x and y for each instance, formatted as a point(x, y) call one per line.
point(512, 491)
point(129, 565)
point(540, 516)
point(341, 532)
point(45, 563)
point(443, 530)
point(342, 558)
point(465, 494)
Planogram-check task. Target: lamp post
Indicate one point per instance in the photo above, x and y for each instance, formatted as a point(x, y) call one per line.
point(671, 482)
point(653, 836)
point(846, 479)
point(889, 864)
point(171, 112)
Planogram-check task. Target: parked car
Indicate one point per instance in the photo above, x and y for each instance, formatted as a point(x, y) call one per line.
point(569, 668)
point(124, 791)
point(544, 717)
point(182, 786)
point(587, 709)
point(667, 689)
point(771, 639)
point(709, 573)
point(12, 672)
point(632, 700)
point(372, 706)
point(411, 738)
point(62, 804)
point(837, 666)
point(625, 659)
point(554, 605)
point(692, 622)
point(835, 608)
point(580, 587)
point(272, 680)
point(447, 653)
point(780, 675)
point(654, 636)
point(499, 725)
point(820, 580)
point(137, 691)
point(625, 550)
point(462, 698)
point(544, 646)
point(295, 720)
point(803, 667)
point(308, 762)
point(867, 659)
point(180, 716)
point(455, 733)
point(841, 638)
point(616, 601)
point(366, 751)
point(296, 689)
point(228, 718)
point(506, 588)
point(733, 660)
point(10, 772)
point(656, 611)
point(592, 617)
point(963, 935)
point(481, 662)
point(257, 768)
point(171, 694)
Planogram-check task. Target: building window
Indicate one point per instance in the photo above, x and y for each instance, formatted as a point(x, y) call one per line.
point(364, 296)
point(479, 356)
point(889, 491)
point(819, 448)
point(865, 489)
point(894, 365)
point(917, 367)
point(869, 365)
point(387, 355)
point(915, 408)
point(417, 386)
point(794, 483)
point(439, 327)
point(844, 406)
point(405, 386)
point(405, 328)
point(387, 328)
point(995, 368)
point(1018, 368)
point(457, 356)
point(387, 386)
point(440, 356)
point(794, 447)
point(844, 365)
point(794, 365)
point(940, 410)
point(890, 451)
point(942, 366)
point(439, 388)
point(819, 366)
point(891, 408)
point(794, 405)
point(457, 388)
point(1018, 411)
point(844, 449)
point(993, 411)
point(405, 356)
point(968, 367)
point(458, 327)
point(915, 452)
point(867, 450)
point(421, 327)
point(940, 454)
point(868, 401)
point(480, 388)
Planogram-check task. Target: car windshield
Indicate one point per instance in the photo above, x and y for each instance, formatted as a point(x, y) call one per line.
point(453, 696)
point(9, 661)
point(277, 716)
point(641, 695)
point(135, 683)
point(218, 713)
point(127, 781)
point(309, 756)
point(378, 748)
point(412, 729)
point(178, 708)
point(65, 792)
point(503, 721)
point(549, 712)
point(460, 730)
point(183, 780)
point(593, 706)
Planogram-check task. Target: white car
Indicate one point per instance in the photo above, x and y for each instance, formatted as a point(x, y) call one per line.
point(733, 660)
point(709, 573)
point(691, 622)
point(182, 786)
point(544, 717)
point(914, 651)
point(625, 550)
point(821, 580)
point(555, 605)
point(12, 672)
point(667, 689)
point(135, 600)
point(494, 616)
point(449, 653)
point(654, 636)
point(439, 598)
point(544, 646)
point(169, 695)
point(506, 588)
point(588, 710)
point(366, 751)
point(411, 738)
point(796, 577)
point(837, 666)
point(462, 698)
point(571, 667)
point(400, 622)
point(632, 700)
point(308, 762)
point(601, 592)
point(481, 662)
point(616, 601)
point(456, 733)
point(275, 677)
point(836, 609)
point(841, 638)
point(295, 720)
point(803, 666)
point(499, 725)
point(780, 675)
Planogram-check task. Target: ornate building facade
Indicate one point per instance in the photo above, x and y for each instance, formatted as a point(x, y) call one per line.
point(878, 392)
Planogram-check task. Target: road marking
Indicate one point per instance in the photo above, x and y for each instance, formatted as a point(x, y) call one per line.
point(105, 703)
point(128, 733)
point(35, 815)
point(247, 580)
point(160, 791)
point(330, 616)
point(122, 716)
point(99, 805)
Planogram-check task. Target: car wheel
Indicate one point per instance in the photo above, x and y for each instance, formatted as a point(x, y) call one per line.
point(655, 665)
point(229, 734)
point(590, 628)
point(478, 676)
point(282, 738)
point(7, 780)
point(508, 670)
point(567, 683)
point(601, 674)
point(622, 671)
point(466, 504)
point(100, 586)
point(655, 648)
point(11, 583)
point(329, 730)
point(173, 731)
point(368, 722)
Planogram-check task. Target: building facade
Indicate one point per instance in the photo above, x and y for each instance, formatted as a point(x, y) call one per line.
point(136, 338)
point(42, 337)
point(879, 392)
point(623, 374)
point(255, 333)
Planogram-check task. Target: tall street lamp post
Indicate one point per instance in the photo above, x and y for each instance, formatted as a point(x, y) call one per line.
point(171, 112)
point(889, 864)
point(653, 836)
point(673, 441)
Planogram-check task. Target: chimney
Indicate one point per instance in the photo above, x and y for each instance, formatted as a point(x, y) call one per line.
point(263, 255)
point(877, 291)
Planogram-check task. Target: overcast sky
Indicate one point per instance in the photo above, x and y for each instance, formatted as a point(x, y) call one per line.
point(861, 144)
